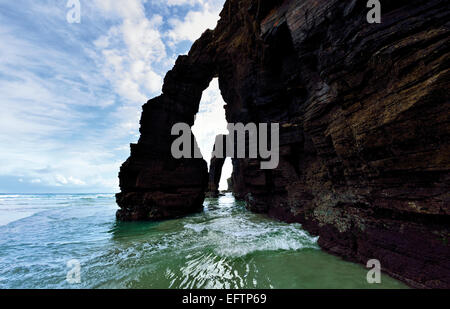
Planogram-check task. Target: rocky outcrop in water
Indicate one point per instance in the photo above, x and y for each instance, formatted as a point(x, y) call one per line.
point(215, 172)
point(364, 116)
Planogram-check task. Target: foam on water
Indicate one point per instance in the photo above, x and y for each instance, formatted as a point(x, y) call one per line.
point(224, 247)
point(14, 207)
point(239, 237)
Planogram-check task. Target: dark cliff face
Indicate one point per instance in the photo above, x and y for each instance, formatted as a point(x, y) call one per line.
point(364, 117)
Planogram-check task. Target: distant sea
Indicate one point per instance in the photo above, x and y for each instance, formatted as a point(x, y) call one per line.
point(226, 246)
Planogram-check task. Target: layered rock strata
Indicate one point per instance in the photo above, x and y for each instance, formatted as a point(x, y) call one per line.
point(364, 117)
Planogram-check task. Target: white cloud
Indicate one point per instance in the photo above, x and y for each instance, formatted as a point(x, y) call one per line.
point(61, 180)
point(194, 23)
point(129, 51)
point(71, 95)
point(42, 123)
point(123, 8)
point(183, 2)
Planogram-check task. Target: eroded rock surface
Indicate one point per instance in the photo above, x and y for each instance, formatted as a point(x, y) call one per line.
point(364, 117)
point(215, 173)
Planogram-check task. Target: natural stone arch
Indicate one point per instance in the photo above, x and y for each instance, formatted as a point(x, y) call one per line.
point(363, 116)
point(154, 185)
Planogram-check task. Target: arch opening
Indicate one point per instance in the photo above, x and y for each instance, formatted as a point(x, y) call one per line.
point(227, 171)
point(210, 121)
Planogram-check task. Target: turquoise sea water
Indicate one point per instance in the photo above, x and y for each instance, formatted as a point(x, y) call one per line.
point(224, 247)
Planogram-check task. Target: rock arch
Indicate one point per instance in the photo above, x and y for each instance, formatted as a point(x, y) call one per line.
point(363, 111)
point(154, 185)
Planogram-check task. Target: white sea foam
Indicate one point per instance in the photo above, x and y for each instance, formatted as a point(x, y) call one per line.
point(237, 237)
point(14, 207)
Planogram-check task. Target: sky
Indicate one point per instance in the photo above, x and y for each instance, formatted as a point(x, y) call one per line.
point(71, 94)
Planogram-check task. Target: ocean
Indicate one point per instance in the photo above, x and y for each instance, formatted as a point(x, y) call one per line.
point(226, 246)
